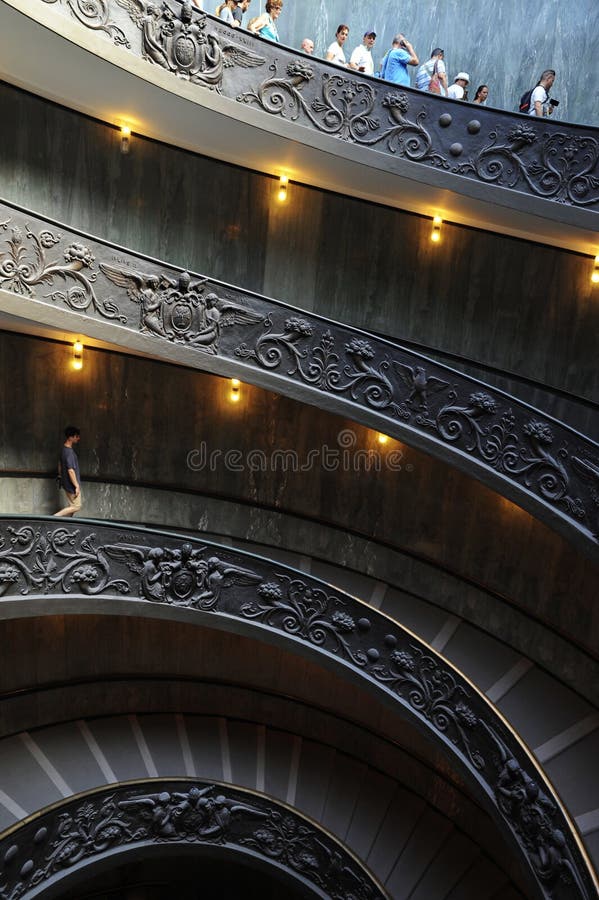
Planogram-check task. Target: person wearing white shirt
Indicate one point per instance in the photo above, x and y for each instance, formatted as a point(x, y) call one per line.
point(539, 99)
point(335, 52)
point(361, 58)
point(457, 90)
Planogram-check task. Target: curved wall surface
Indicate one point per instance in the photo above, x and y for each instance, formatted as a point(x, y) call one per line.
point(306, 118)
point(505, 303)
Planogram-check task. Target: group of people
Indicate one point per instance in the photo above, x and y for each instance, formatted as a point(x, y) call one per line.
point(431, 75)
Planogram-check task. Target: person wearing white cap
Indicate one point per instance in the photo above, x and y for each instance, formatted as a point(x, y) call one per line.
point(457, 90)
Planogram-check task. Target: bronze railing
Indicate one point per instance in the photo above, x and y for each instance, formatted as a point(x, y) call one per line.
point(137, 817)
point(540, 158)
point(131, 300)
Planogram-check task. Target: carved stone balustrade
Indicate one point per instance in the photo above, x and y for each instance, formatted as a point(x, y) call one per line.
point(93, 568)
point(57, 276)
point(536, 158)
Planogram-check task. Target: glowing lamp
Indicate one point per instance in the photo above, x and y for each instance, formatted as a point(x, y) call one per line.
point(125, 138)
point(436, 232)
point(77, 355)
point(283, 182)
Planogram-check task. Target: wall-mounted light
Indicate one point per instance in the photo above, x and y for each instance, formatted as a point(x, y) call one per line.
point(436, 232)
point(77, 355)
point(235, 390)
point(595, 273)
point(125, 138)
point(283, 182)
point(382, 438)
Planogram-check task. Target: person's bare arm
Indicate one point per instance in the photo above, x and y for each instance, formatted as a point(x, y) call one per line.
point(258, 23)
point(73, 477)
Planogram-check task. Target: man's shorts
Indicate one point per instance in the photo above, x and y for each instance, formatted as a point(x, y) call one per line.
point(74, 501)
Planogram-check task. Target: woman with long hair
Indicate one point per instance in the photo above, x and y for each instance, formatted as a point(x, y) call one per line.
point(482, 92)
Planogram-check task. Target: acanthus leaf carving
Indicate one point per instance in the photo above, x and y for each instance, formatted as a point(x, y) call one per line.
point(558, 167)
point(306, 611)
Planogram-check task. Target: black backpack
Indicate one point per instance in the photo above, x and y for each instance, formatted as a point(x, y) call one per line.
point(525, 101)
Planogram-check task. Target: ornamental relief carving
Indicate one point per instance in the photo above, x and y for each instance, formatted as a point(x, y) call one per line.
point(540, 158)
point(175, 812)
point(53, 561)
point(488, 428)
point(178, 309)
point(184, 45)
point(26, 269)
point(95, 14)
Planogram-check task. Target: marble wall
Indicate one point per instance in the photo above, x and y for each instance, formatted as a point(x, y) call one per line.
point(505, 44)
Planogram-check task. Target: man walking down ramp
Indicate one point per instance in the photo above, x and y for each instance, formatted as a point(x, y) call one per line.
point(68, 471)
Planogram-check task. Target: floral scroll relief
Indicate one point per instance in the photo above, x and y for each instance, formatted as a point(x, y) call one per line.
point(25, 267)
point(95, 14)
point(520, 449)
point(560, 167)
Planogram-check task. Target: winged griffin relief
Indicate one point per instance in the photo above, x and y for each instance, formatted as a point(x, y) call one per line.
point(179, 309)
point(181, 44)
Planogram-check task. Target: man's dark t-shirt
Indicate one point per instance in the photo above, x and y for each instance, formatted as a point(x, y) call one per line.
point(68, 460)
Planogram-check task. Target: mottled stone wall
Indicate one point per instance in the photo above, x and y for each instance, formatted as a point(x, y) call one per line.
point(501, 302)
point(504, 44)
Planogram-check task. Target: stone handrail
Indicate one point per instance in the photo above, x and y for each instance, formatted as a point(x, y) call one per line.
point(58, 276)
point(94, 568)
point(135, 817)
point(539, 158)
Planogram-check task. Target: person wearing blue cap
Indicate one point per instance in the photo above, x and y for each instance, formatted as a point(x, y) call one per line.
point(361, 58)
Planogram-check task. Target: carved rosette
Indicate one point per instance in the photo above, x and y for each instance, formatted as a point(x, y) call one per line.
point(47, 560)
point(177, 813)
point(541, 158)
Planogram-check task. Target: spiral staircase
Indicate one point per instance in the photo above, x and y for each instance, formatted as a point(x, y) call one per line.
point(380, 678)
